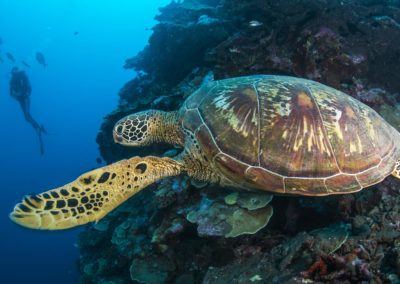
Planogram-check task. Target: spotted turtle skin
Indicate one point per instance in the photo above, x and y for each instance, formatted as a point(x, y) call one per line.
point(289, 135)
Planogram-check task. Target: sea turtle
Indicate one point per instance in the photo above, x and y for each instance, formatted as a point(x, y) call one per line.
point(277, 134)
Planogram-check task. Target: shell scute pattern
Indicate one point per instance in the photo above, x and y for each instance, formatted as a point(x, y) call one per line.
point(293, 139)
point(291, 135)
point(350, 128)
point(231, 114)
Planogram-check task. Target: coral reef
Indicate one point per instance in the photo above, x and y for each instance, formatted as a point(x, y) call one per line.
point(215, 217)
point(180, 231)
point(280, 264)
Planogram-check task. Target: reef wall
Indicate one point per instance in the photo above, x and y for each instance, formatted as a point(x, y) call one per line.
point(191, 233)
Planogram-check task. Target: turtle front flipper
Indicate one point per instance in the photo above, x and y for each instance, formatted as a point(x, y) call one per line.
point(94, 194)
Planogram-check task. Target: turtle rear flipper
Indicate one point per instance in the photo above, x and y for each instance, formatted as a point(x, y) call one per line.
point(94, 194)
point(396, 171)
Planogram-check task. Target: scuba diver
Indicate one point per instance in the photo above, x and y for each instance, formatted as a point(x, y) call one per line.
point(20, 89)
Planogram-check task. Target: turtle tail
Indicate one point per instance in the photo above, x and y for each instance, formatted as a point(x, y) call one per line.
point(94, 194)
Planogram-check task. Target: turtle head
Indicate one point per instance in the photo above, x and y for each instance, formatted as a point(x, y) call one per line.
point(136, 129)
point(146, 127)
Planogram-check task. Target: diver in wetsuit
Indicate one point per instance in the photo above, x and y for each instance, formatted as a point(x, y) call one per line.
point(20, 90)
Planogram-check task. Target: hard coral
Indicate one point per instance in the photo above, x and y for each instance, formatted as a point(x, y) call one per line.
point(350, 45)
point(216, 218)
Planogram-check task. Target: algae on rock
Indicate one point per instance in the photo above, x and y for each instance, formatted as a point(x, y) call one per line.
point(152, 270)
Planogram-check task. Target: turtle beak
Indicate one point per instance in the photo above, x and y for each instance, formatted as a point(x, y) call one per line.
point(117, 132)
point(117, 138)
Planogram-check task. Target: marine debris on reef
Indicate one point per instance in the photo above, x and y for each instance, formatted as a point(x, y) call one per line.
point(177, 233)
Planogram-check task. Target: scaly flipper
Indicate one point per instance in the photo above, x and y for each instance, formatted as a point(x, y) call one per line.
point(94, 194)
point(396, 171)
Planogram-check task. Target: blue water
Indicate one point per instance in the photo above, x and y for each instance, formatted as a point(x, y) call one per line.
point(70, 97)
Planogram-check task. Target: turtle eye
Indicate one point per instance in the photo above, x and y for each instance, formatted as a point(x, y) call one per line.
point(119, 129)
